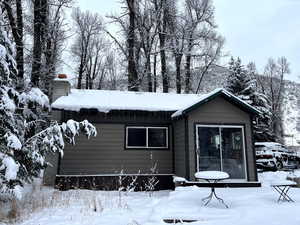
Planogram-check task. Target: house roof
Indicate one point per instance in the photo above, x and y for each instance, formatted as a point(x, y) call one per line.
point(217, 92)
point(105, 101)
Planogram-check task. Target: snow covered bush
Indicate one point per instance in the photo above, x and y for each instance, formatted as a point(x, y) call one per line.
point(22, 158)
point(26, 134)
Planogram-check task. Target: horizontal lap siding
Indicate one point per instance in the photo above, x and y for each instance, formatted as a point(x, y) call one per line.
point(105, 154)
point(220, 111)
point(179, 148)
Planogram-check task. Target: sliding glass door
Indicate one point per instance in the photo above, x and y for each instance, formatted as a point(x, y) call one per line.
point(221, 148)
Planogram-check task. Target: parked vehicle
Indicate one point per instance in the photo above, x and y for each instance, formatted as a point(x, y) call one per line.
point(275, 156)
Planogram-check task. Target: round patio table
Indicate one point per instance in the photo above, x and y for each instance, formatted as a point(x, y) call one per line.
point(212, 177)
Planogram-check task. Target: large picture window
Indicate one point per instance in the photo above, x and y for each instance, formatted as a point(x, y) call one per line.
point(222, 148)
point(147, 137)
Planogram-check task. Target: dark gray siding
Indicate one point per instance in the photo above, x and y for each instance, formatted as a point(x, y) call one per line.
point(121, 117)
point(51, 171)
point(179, 148)
point(105, 154)
point(220, 111)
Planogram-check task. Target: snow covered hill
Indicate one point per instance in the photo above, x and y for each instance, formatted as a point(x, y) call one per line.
point(291, 107)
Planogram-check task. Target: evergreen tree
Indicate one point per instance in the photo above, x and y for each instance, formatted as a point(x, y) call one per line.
point(23, 142)
point(261, 125)
point(239, 83)
point(242, 83)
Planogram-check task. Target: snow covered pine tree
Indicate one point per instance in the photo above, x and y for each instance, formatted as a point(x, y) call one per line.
point(23, 144)
point(242, 83)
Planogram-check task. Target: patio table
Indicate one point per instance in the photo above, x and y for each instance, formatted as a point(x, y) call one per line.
point(212, 177)
point(282, 188)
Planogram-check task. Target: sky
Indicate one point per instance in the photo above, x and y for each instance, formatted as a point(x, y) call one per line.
point(254, 29)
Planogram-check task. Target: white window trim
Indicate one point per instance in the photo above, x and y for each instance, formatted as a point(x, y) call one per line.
point(244, 146)
point(147, 141)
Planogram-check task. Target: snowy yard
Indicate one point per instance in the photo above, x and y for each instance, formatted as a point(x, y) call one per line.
point(246, 206)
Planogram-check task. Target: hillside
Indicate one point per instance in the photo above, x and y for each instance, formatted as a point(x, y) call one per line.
point(291, 107)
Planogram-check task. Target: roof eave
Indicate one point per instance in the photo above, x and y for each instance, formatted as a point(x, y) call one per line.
point(229, 97)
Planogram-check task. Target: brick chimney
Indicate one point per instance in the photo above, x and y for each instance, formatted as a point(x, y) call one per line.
point(61, 86)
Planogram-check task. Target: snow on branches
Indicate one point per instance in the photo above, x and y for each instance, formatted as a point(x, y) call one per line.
point(26, 134)
point(7, 53)
point(23, 161)
point(243, 83)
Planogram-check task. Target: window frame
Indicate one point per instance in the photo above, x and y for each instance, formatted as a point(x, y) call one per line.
point(220, 126)
point(147, 138)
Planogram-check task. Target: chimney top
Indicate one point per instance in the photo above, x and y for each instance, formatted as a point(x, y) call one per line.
point(62, 76)
point(61, 86)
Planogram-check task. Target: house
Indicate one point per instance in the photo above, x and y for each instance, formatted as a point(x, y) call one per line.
point(143, 133)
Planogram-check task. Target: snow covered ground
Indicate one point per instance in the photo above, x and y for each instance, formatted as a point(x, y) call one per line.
point(247, 206)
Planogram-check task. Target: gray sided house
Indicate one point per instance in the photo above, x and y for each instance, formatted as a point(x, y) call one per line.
point(143, 133)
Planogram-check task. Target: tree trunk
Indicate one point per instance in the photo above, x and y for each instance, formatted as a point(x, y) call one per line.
point(154, 73)
point(149, 77)
point(101, 78)
point(132, 73)
point(50, 70)
point(17, 32)
point(178, 58)
point(88, 77)
point(19, 43)
point(91, 84)
point(165, 80)
point(80, 72)
point(188, 66)
point(187, 74)
point(162, 39)
point(40, 24)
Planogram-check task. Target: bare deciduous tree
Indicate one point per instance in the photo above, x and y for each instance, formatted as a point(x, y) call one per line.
point(272, 85)
point(16, 24)
point(177, 35)
point(88, 26)
point(55, 39)
point(147, 27)
point(163, 29)
point(96, 61)
point(40, 23)
point(211, 52)
point(162, 7)
point(200, 23)
point(133, 84)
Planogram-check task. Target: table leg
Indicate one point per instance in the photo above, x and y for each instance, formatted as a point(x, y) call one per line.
point(220, 200)
point(211, 195)
point(283, 196)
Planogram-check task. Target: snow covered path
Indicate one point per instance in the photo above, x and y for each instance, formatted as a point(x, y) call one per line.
point(247, 206)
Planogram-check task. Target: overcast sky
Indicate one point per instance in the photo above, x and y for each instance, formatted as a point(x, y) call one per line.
point(254, 29)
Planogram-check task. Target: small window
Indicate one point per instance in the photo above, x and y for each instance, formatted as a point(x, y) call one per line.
point(136, 137)
point(157, 137)
point(147, 137)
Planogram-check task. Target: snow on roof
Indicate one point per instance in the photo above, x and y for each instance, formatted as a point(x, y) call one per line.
point(105, 101)
point(268, 144)
point(62, 79)
point(204, 97)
